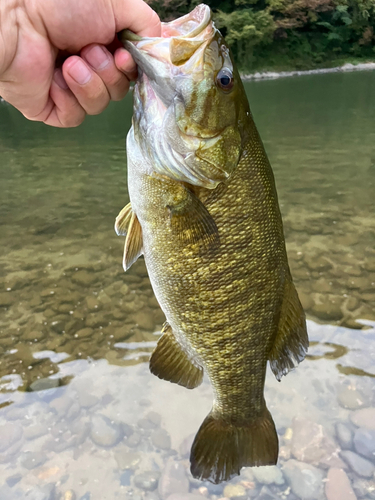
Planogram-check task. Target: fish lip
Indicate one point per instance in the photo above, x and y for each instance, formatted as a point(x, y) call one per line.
point(202, 12)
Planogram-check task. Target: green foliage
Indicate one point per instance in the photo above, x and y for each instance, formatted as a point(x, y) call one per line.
point(288, 33)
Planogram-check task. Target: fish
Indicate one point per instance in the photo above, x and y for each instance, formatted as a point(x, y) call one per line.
point(204, 214)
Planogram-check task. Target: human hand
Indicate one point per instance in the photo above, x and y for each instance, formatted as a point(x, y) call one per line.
point(33, 35)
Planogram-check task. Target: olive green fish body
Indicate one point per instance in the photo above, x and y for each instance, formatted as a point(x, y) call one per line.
point(204, 213)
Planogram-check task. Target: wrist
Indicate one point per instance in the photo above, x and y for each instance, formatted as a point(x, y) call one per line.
point(9, 12)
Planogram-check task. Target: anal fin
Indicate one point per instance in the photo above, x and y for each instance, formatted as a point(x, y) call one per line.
point(291, 343)
point(170, 362)
point(127, 224)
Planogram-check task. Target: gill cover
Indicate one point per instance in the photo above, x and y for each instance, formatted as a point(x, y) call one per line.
point(189, 100)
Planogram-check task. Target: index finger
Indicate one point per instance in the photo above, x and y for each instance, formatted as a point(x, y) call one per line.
point(136, 16)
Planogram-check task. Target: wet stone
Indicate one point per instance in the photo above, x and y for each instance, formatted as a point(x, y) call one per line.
point(61, 405)
point(344, 436)
point(358, 464)
point(125, 477)
point(84, 333)
point(147, 481)
point(84, 278)
point(364, 418)
point(104, 432)
point(6, 299)
point(306, 481)
point(364, 443)
point(234, 491)
point(266, 494)
point(338, 486)
point(134, 440)
point(92, 303)
point(146, 424)
point(44, 384)
point(87, 400)
point(9, 435)
point(144, 319)
point(268, 475)
point(31, 459)
point(364, 488)
point(127, 459)
point(35, 431)
point(173, 479)
point(351, 398)
point(13, 480)
point(161, 439)
point(154, 417)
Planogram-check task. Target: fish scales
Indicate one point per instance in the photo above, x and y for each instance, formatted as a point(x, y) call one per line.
point(208, 223)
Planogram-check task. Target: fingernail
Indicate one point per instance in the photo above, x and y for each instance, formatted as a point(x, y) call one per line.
point(80, 72)
point(59, 79)
point(97, 57)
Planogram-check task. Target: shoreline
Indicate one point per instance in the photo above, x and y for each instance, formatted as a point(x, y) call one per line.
point(273, 75)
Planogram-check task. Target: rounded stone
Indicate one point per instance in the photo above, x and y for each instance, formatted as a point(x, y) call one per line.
point(268, 475)
point(364, 418)
point(104, 432)
point(306, 481)
point(351, 398)
point(30, 459)
point(359, 465)
point(338, 486)
point(9, 434)
point(147, 481)
point(234, 490)
point(344, 436)
point(161, 439)
point(173, 479)
point(364, 442)
point(84, 278)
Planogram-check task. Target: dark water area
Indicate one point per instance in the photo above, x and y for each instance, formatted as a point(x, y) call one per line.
point(81, 417)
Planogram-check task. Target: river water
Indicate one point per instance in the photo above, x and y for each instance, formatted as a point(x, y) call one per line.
point(81, 417)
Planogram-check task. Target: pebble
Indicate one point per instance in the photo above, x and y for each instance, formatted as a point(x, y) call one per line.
point(364, 442)
point(125, 478)
point(145, 423)
point(173, 479)
point(154, 417)
point(305, 480)
point(310, 443)
point(266, 494)
point(31, 459)
point(338, 486)
point(134, 440)
point(161, 439)
point(359, 465)
point(144, 319)
point(147, 480)
point(84, 278)
point(69, 495)
point(35, 431)
point(364, 418)
point(6, 299)
point(13, 480)
point(351, 398)
point(234, 490)
point(127, 459)
point(344, 436)
point(268, 475)
point(104, 432)
point(9, 435)
point(61, 405)
point(364, 488)
point(44, 384)
point(84, 333)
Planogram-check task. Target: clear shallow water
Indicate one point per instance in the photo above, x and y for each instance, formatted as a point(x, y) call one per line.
point(80, 415)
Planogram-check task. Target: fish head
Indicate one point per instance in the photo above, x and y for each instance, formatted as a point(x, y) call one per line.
point(190, 106)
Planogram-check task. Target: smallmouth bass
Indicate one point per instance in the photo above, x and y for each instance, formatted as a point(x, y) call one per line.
point(204, 213)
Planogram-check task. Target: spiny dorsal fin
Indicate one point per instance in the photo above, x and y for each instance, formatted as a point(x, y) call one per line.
point(133, 242)
point(123, 220)
point(291, 341)
point(170, 362)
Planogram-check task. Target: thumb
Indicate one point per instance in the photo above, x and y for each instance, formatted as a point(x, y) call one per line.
point(136, 16)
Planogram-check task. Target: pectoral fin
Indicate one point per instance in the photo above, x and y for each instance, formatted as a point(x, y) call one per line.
point(291, 342)
point(170, 362)
point(127, 224)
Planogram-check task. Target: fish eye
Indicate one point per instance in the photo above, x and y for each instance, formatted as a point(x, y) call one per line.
point(224, 79)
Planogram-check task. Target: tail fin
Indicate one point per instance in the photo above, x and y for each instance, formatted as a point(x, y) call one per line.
point(221, 449)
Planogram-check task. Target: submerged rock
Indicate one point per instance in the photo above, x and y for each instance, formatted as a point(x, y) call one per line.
point(104, 432)
point(306, 481)
point(338, 486)
point(359, 465)
point(364, 418)
point(344, 436)
point(147, 481)
point(268, 475)
point(364, 443)
point(173, 479)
